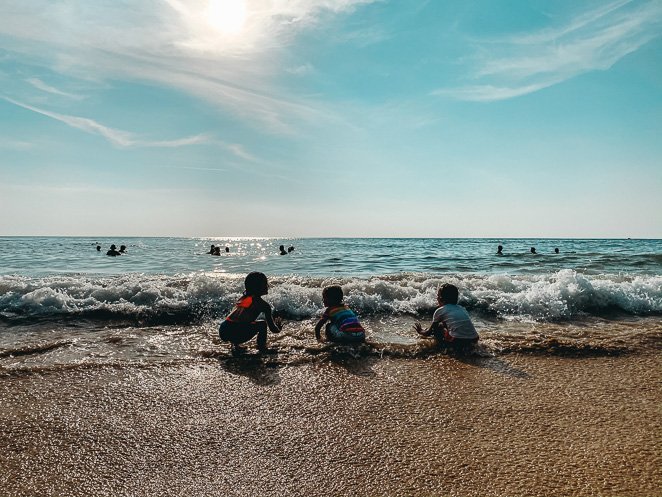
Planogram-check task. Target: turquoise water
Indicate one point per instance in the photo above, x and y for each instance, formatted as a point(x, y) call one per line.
point(34, 256)
point(175, 280)
point(64, 303)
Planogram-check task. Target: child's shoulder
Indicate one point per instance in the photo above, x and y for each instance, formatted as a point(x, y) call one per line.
point(258, 300)
point(441, 309)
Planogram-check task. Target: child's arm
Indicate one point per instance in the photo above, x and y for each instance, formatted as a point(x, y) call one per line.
point(318, 326)
point(275, 324)
point(434, 326)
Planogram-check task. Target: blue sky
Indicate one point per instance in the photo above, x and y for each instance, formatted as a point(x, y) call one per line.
point(331, 118)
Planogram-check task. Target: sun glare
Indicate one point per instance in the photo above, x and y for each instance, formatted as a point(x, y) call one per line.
point(227, 16)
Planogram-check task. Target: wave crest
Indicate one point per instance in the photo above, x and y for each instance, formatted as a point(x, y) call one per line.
point(201, 297)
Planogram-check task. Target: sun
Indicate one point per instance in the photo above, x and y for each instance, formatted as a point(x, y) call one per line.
point(227, 16)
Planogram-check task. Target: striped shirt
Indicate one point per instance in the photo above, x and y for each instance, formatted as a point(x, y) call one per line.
point(343, 318)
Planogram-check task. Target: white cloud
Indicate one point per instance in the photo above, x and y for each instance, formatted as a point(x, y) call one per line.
point(39, 84)
point(117, 137)
point(8, 144)
point(593, 40)
point(172, 44)
point(489, 93)
point(301, 70)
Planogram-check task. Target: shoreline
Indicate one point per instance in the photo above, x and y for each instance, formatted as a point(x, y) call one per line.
point(505, 426)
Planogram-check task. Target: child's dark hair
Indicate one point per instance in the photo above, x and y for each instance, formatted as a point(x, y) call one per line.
point(333, 294)
point(448, 293)
point(255, 282)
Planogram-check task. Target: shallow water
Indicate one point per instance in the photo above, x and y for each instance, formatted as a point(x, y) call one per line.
point(62, 302)
point(39, 348)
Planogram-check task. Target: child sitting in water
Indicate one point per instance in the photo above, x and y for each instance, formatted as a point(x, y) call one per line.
point(344, 326)
point(241, 324)
point(451, 324)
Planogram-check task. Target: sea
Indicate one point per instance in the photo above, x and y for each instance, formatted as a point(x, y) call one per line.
point(65, 304)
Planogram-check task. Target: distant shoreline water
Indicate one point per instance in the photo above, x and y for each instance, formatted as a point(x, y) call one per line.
point(43, 256)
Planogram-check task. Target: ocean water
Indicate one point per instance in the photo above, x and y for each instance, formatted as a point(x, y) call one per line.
point(64, 303)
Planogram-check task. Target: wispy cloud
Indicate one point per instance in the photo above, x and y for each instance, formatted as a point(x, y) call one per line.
point(301, 70)
point(239, 151)
point(40, 85)
point(190, 168)
point(8, 144)
point(593, 40)
point(117, 137)
point(173, 44)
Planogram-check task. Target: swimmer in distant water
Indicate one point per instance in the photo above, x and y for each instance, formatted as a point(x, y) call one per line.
point(98, 248)
point(217, 250)
point(113, 251)
point(451, 324)
point(212, 249)
point(241, 325)
point(227, 250)
point(282, 250)
point(556, 250)
point(122, 249)
point(499, 250)
point(290, 249)
point(533, 250)
point(344, 326)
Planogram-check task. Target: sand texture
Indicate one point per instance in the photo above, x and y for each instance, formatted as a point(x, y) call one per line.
point(518, 425)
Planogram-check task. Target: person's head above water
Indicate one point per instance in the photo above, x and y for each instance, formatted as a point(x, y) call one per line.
point(332, 295)
point(98, 248)
point(499, 249)
point(113, 247)
point(447, 294)
point(556, 250)
point(122, 248)
point(533, 250)
point(256, 284)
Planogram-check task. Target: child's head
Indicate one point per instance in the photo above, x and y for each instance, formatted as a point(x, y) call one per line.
point(448, 294)
point(332, 295)
point(256, 284)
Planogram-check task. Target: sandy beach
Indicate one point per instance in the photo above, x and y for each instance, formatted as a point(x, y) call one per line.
point(515, 425)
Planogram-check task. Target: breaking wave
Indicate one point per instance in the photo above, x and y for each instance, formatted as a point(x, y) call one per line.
point(203, 297)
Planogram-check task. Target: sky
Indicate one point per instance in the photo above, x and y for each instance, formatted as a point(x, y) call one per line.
point(295, 118)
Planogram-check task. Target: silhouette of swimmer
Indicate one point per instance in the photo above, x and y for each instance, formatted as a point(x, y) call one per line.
point(122, 249)
point(98, 248)
point(499, 250)
point(227, 250)
point(556, 250)
point(533, 250)
point(212, 249)
point(113, 251)
point(217, 251)
point(282, 250)
point(290, 249)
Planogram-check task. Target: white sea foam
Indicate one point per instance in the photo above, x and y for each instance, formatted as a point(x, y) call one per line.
point(561, 295)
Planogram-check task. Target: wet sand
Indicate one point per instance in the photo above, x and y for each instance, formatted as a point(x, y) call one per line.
point(516, 425)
